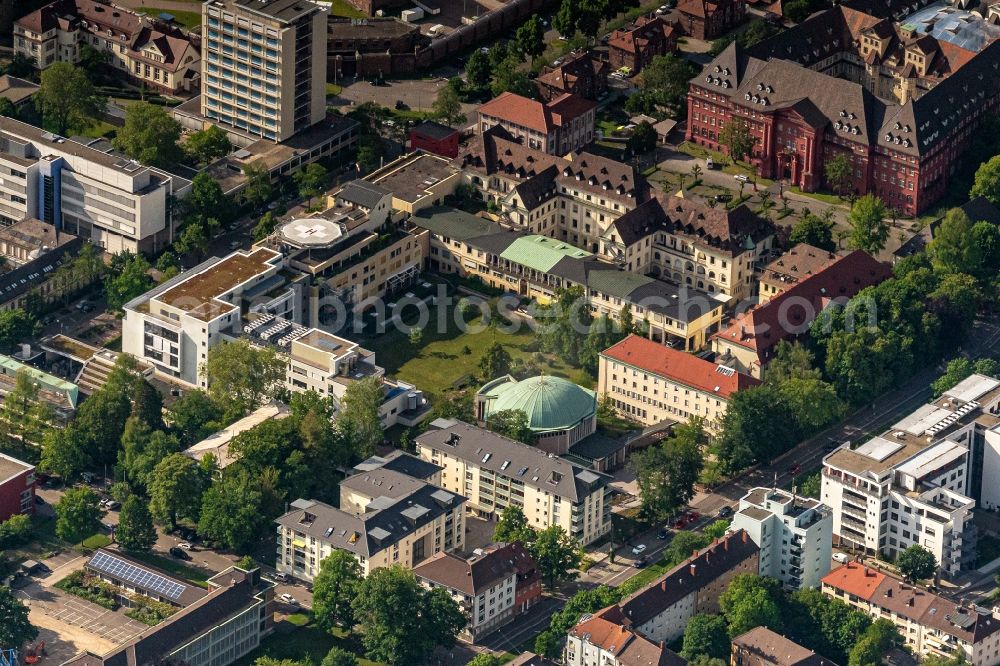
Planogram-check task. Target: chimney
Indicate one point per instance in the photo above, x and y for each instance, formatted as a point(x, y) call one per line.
point(663, 584)
point(694, 569)
point(694, 553)
point(744, 536)
point(725, 544)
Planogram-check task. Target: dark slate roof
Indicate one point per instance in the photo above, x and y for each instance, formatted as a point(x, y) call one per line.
point(709, 564)
point(453, 223)
point(386, 520)
point(538, 189)
point(362, 193)
point(504, 456)
point(434, 130)
point(232, 591)
point(477, 573)
point(405, 463)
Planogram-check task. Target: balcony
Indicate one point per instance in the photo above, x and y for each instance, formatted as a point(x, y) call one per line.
point(852, 511)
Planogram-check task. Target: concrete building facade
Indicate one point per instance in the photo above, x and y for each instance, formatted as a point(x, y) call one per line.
point(265, 66)
point(794, 534)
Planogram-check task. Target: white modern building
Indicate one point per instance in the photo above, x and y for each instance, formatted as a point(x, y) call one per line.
point(494, 472)
point(794, 535)
point(251, 295)
point(919, 482)
point(115, 203)
point(264, 66)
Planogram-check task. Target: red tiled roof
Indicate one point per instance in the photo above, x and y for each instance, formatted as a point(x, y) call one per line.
point(791, 312)
point(678, 366)
point(605, 630)
point(855, 578)
point(534, 115)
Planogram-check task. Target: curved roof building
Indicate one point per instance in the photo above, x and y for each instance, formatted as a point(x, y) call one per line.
point(559, 412)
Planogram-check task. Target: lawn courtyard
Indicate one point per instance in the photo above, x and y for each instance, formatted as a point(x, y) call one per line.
point(448, 358)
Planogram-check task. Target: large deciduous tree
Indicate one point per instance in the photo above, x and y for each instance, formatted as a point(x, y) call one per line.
point(359, 414)
point(67, 99)
point(666, 473)
point(15, 628)
point(78, 514)
point(232, 512)
point(334, 590)
point(815, 230)
point(135, 526)
point(556, 553)
point(175, 488)
point(916, 563)
point(208, 145)
point(403, 622)
point(839, 172)
point(150, 135)
point(241, 376)
point(736, 136)
point(869, 228)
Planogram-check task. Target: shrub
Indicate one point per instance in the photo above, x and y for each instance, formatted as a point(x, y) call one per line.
point(15, 531)
point(148, 611)
point(94, 590)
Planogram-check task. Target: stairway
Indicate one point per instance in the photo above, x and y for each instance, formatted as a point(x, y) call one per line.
point(95, 371)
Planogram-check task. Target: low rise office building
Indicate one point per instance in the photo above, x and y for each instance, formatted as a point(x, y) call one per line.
point(794, 534)
point(224, 625)
point(651, 384)
point(115, 203)
point(17, 487)
point(537, 266)
point(931, 625)
point(494, 472)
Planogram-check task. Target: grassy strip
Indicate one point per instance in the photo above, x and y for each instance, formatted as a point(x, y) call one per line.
point(196, 576)
point(189, 20)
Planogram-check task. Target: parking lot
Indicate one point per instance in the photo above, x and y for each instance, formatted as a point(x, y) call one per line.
point(69, 624)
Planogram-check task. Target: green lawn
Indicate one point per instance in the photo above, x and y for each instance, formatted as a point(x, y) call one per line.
point(345, 10)
point(99, 130)
point(440, 361)
point(298, 637)
point(95, 542)
point(333, 89)
point(644, 577)
point(187, 19)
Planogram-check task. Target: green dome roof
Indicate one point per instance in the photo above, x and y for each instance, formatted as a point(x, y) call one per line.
point(551, 403)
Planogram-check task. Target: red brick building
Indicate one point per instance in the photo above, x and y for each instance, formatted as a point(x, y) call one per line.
point(902, 116)
point(580, 74)
point(710, 19)
point(635, 45)
point(17, 487)
point(435, 138)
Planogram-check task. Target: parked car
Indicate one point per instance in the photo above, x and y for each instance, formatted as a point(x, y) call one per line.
point(840, 557)
point(281, 577)
point(725, 512)
point(289, 599)
point(640, 563)
point(794, 469)
point(112, 505)
point(637, 550)
point(185, 545)
point(662, 534)
point(740, 177)
point(710, 164)
point(679, 524)
point(179, 554)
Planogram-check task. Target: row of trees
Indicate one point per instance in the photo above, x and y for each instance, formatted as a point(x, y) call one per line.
point(858, 351)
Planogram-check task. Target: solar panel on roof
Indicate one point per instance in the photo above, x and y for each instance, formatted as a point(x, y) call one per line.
point(143, 578)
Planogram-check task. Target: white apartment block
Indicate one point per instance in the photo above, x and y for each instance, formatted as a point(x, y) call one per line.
point(174, 325)
point(494, 472)
point(387, 518)
point(931, 626)
point(264, 71)
point(794, 534)
point(919, 482)
point(115, 203)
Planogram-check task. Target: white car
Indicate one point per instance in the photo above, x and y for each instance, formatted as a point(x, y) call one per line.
point(185, 545)
point(840, 557)
point(638, 550)
point(740, 177)
point(710, 164)
point(289, 599)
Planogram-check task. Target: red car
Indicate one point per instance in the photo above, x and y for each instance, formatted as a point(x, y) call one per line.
point(679, 523)
point(794, 469)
